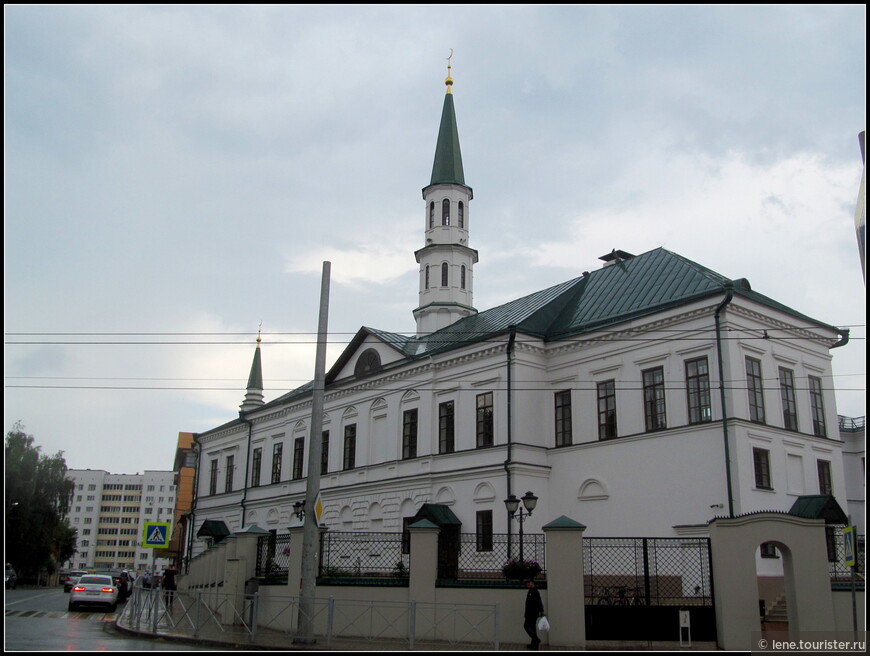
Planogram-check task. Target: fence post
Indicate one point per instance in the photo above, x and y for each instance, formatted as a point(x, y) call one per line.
point(254, 605)
point(330, 616)
point(412, 624)
point(565, 594)
point(154, 607)
point(495, 626)
point(196, 614)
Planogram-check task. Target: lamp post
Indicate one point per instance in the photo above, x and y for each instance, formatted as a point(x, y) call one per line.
point(299, 509)
point(513, 504)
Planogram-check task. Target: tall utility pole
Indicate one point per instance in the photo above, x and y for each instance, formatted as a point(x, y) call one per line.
point(311, 533)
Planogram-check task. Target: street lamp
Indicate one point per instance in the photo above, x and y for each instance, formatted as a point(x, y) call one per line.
point(299, 509)
point(513, 504)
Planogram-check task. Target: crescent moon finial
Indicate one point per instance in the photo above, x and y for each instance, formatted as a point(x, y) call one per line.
point(449, 80)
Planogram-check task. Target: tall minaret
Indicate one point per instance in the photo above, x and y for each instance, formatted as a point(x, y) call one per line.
point(254, 396)
point(446, 261)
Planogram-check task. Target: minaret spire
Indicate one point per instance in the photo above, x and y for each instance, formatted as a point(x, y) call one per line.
point(254, 396)
point(446, 261)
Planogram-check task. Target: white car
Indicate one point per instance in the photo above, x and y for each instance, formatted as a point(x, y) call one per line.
point(94, 589)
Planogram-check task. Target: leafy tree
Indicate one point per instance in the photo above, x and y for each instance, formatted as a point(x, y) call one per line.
point(38, 498)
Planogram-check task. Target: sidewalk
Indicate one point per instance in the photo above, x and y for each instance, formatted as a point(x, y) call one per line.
point(267, 639)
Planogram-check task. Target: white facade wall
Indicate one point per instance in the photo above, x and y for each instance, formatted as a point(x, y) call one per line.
point(664, 483)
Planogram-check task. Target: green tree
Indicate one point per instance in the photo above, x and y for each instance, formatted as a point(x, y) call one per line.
point(38, 498)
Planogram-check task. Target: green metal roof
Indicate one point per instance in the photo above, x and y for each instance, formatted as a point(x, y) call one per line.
point(634, 287)
point(438, 514)
point(255, 379)
point(447, 168)
point(819, 506)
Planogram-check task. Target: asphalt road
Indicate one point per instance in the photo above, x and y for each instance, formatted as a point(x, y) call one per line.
point(37, 619)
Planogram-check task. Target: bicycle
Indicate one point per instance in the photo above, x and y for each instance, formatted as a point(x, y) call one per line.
point(623, 597)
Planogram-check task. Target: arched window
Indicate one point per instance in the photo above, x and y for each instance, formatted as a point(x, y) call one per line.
point(460, 217)
point(432, 214)
point(462, 277)
point(427, 277)
point(444, 274)
point(369, 362)
point(445, 212)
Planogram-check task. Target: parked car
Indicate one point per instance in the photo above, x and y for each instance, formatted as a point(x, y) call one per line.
point(71, 578)
point(114, 573)
point(11, 577)
point(94, 590)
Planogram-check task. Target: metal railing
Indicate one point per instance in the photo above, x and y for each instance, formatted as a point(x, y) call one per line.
point(647, 571)
point(273, 555)
point(840, 574)
point(363, 555)
point(271, 621)
point(850, 424)
point(470, 557)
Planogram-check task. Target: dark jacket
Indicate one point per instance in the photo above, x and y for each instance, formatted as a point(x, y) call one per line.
point(534, 605)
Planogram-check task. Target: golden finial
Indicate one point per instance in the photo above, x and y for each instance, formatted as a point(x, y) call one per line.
point(259, 328)
point(449, 80)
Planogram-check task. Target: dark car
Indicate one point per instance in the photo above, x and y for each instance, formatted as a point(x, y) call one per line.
point(71, 578)
point(114, 573)
point(11, 577)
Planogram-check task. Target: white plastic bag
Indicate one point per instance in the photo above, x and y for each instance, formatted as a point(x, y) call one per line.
point(543, 624)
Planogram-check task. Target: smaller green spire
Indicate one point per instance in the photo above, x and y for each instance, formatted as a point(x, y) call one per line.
point(447, 168)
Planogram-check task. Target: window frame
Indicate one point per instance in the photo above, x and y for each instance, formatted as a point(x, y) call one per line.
point(826, 480)
point(410, 426)
point(348, 461)
point(212, 477)
point(277, 457)
point(755, 389)
point(445, 212)
point(789, 401)
point(324, 452)
point(298, 457)
point(483, 530)
point(445, 274)
point(446, 427)
point(761, 468)
point(698, 397)
point(654, 404)
point(484, 426)
point(228, 477)
point(607, 425)
point(562, 417)
point(817, 406)
point(256, 466)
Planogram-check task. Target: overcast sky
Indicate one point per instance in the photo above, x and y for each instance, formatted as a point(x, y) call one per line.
point(174, 175)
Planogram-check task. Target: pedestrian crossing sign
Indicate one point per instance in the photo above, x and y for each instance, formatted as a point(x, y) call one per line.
point(156, 535)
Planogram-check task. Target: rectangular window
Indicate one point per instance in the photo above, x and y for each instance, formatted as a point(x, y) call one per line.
point(349, 447)
point(817, 405)
point(324, 453)
point(761, 461)
point(654, 398)
point(256, 466)
point(298, 456)
point(789, 404)
point(484, 530)
point(755, 386)
point(606, 410)
point(698, 390)
point(825, 484)
point(485, 430)
point(277, 452)
point(212, 477)
point(409, 434)
point(563, 418)
point(445, 427)
point(228, 479)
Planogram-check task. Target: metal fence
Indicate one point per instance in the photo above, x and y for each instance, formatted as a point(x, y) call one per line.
point(840, 574)
point(271, 621)
point(273, 555)
point(482, 558)
point(363, 555)
point(647, 571)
